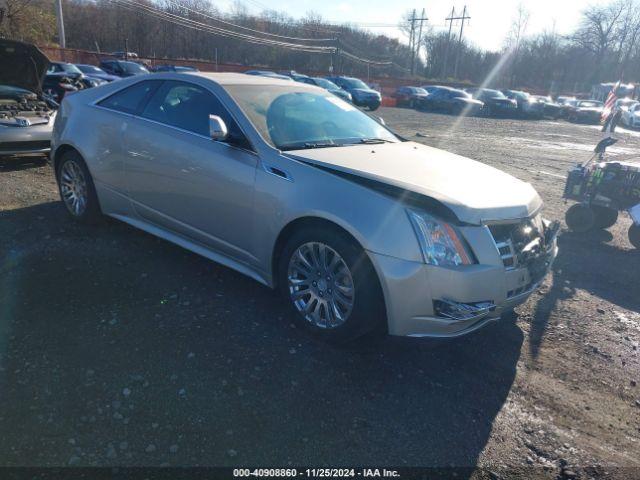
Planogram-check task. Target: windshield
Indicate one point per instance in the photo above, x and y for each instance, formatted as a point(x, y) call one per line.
point(90, 69)
point(324, 83)
point(132, 67)
point(353, 83)
point(492, 94)
point(290, 118)
point(69, 68)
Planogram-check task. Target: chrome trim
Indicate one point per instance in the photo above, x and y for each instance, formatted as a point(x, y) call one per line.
point(466, 311)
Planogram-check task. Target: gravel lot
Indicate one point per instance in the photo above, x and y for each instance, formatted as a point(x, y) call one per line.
point(117, 348)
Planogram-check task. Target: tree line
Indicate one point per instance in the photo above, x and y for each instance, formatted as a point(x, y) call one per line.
point(605, 46)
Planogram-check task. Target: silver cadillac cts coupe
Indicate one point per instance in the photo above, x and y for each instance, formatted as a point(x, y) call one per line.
point(358, 228)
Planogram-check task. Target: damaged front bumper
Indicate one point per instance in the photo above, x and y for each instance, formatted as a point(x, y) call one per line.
point(426, 300)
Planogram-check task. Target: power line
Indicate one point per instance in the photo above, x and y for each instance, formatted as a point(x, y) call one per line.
point(176, 19)
point(220, 20)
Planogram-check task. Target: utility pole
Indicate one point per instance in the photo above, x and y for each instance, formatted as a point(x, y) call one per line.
point(463, 19)
point(417, 46)
point(60, 18)
point(449, 19)
point(412, 36)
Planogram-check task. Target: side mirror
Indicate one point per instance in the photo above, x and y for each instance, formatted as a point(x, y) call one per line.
point(217, 128)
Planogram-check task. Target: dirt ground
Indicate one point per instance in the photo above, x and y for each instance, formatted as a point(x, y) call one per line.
point(117, 348)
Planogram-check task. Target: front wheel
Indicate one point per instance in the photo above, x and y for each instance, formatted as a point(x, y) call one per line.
point(634, 235)
point(580, 218)
point(331, 285)
point(76, 188)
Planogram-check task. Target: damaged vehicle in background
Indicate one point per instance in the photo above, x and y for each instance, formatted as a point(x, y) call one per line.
point(452, 100)
point(26, 114)
point(359, 229)
point(528, 105)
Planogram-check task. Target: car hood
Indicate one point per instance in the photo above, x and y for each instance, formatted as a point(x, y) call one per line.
point(475, 192)
point(22, 65)
point(590, 109)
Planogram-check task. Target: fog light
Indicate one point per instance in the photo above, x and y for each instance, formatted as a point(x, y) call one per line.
point(462, 311)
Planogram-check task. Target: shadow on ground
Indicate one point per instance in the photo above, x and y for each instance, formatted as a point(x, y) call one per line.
point(587, 262)
point(122, 349)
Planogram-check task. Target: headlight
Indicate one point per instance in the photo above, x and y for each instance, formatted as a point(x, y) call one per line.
point(439, 241)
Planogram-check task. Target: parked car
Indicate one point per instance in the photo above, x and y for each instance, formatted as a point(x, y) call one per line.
point(327, 85)
point(125, 55)
point(432, 88)
point(26, 114)
point(585, 111)
point(123, 68)
point(496, 104)
point(412, 97)
point(566, 103)
point(267, 73)
point(551, 109)
point(361, 93)
point(631, 116)
point(96, 72)
point(451, 100)
point(174, 68)
point(528, 105)
point(69, 70)
point(305, 194)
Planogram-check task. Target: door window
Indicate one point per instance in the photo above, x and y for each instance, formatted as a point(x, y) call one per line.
point(188, 106)
point(131, 99)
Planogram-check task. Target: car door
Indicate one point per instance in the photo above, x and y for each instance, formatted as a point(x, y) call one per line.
point(182, 180)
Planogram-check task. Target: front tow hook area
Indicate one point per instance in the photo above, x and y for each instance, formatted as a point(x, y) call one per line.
point(450, 309)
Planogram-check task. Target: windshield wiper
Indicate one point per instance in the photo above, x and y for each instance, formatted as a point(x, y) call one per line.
point(309, 145)
point(373, 141)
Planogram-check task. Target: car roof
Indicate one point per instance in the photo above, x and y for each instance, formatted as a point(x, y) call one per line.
point(227, 78)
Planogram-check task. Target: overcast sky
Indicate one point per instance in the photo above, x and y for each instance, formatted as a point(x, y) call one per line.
point(489, 24)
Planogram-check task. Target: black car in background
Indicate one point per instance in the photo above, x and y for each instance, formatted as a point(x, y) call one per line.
point(528, 105)
point(326, 84)
point(362, 94)
point(452, 100)
point(411, 97)
point(95, 72)
point(123, 68)
point(496, 104)
point(551, 109)
point(585, 111)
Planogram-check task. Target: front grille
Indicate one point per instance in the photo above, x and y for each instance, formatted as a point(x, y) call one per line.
point(519, 243)
point(24, 146)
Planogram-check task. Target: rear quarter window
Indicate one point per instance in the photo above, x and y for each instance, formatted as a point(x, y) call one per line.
point(132, 99)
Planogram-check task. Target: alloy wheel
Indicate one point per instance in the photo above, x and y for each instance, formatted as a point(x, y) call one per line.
point(73, 187)
point(320, 285)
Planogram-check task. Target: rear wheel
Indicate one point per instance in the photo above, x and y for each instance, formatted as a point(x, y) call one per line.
point(330, 284)
point(634, 235)
point(76, 188)
point(604, 217)
point(580, 218)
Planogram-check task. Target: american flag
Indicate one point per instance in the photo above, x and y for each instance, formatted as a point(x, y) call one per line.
point(611, 101)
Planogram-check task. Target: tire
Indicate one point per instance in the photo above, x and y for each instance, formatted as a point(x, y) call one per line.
point(364, 308)
point(604, 217)
point(634, 235)
point(580, 218)
point(76, 188)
